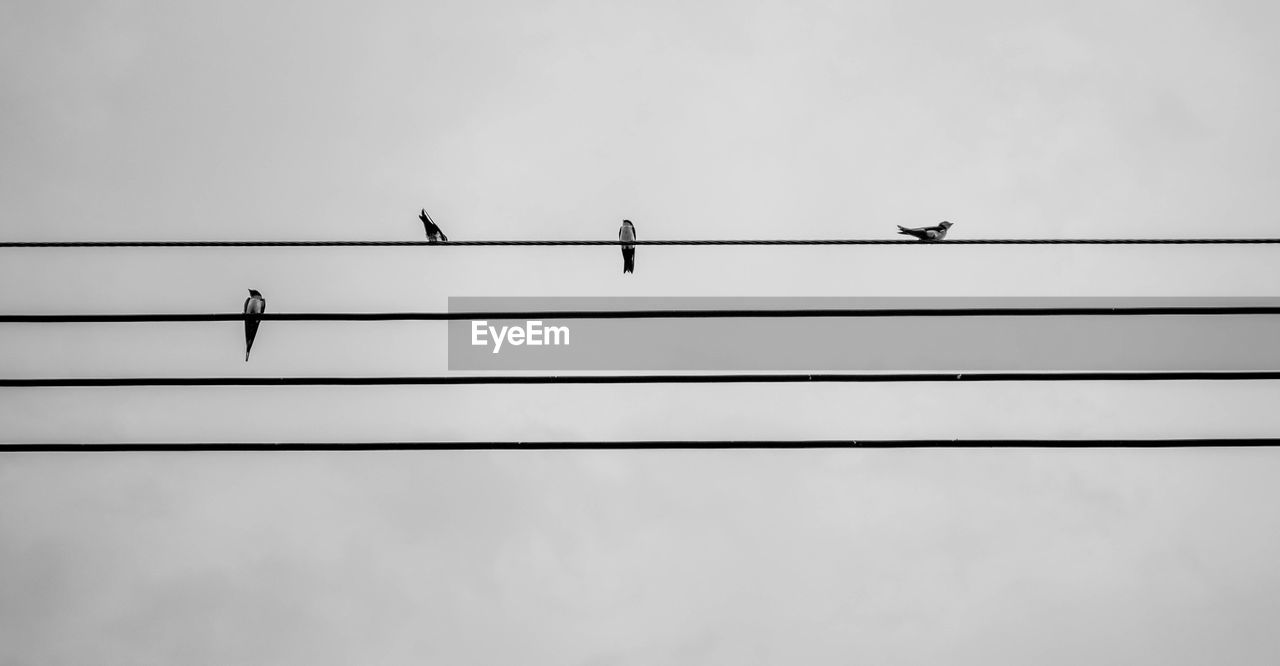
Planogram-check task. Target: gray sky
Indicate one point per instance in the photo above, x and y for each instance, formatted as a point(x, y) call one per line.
point(544, 120)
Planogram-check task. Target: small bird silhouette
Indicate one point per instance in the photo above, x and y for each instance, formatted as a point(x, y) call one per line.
point(934, 233)
point(255, 304)
point(628, 233)
point(434, 234)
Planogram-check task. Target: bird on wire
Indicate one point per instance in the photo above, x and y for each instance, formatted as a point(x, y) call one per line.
point(434, 234)
point(934, 233)
point(255, 304)
point(628, 233)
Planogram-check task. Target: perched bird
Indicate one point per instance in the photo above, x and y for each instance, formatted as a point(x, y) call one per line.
point(434, 234)
point(934, 233)
point(628, 233)
point(255, 304)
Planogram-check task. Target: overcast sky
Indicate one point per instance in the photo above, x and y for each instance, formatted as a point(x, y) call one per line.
point(551, 120)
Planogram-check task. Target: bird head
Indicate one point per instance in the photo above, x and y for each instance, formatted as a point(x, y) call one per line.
point(945, 225)
point(254, 292)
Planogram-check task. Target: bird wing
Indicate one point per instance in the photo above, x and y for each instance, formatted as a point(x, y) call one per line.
point(431, 227)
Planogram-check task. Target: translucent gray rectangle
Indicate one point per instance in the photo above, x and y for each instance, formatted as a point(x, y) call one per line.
point(918, 343)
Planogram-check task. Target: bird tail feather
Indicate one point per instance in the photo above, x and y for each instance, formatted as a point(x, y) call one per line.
point(629, 261)
point(250, 332)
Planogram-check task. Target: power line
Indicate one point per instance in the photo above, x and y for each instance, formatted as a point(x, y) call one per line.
point(526, 243)
point(87, 447)
point(655, 314)
point(735, 378)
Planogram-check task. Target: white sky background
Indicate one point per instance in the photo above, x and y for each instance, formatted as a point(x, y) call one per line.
point(157, 121)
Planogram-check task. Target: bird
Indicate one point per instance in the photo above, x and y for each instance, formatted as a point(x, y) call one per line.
point(255, 304)
point(434, 234)
point(628, 233)
point(934, 233)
